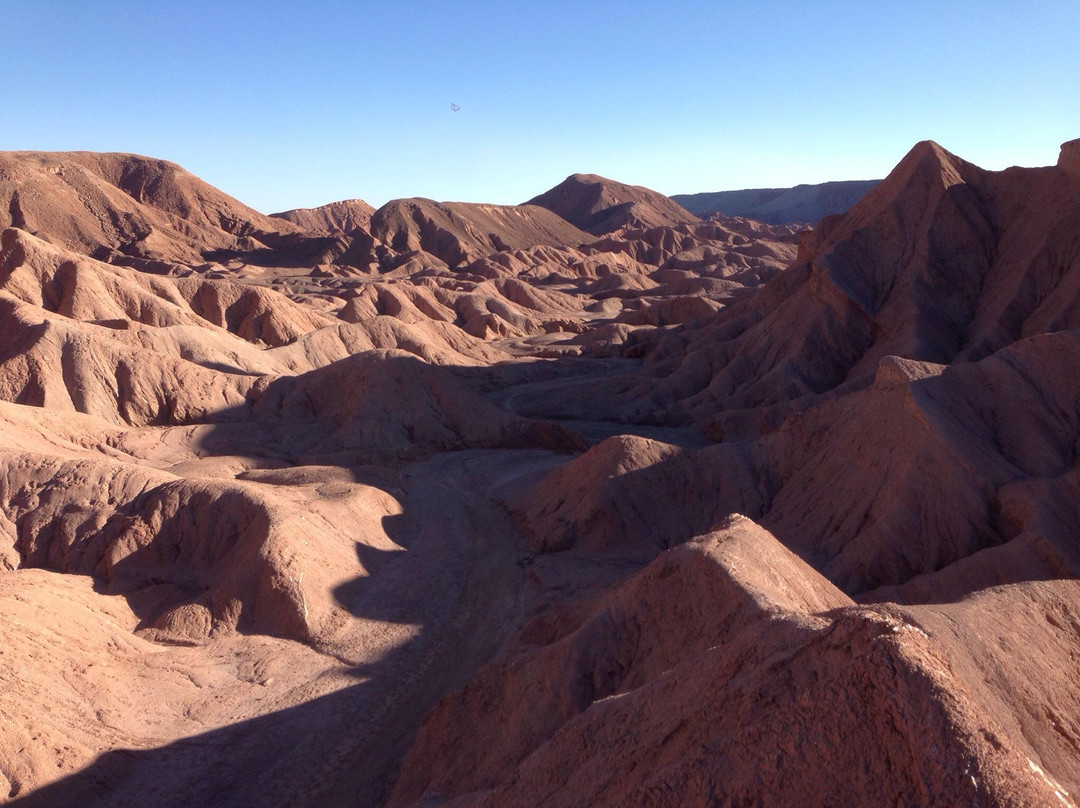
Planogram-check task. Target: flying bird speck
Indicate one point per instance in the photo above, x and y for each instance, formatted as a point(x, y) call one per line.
point(454, 107)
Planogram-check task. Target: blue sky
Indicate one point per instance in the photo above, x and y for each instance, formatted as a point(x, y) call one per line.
point(298, 104)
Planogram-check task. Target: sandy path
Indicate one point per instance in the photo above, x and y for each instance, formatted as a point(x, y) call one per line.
point(457, 580)
point(461, 574)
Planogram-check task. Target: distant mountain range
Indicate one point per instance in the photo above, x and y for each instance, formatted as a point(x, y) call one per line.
point(803, 203)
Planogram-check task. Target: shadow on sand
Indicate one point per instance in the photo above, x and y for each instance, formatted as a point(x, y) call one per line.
point(344, 748)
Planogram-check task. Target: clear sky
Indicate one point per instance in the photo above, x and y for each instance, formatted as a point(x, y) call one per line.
point(298, 104)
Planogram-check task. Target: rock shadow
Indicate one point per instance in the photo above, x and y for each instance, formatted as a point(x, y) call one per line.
point(341, 748)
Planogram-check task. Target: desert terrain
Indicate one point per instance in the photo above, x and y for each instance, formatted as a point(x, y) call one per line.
point(585, 501)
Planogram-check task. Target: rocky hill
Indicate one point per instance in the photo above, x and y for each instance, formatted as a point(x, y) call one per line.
point(336, 218)
point(601, 206)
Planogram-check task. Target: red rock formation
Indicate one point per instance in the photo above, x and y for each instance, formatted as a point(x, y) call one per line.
point(429, 511)
point(600, 205)
point(729, 672)
point(942, 261)
point(459, 232)
point(338, 217)
point(135, 205)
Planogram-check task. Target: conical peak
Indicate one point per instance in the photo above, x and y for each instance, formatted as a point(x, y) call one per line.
point(929, 157)
point(925, 164)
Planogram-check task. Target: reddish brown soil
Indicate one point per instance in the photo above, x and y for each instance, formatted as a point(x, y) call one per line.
point(600, 205)
point(342, 217)
point(580, 502)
